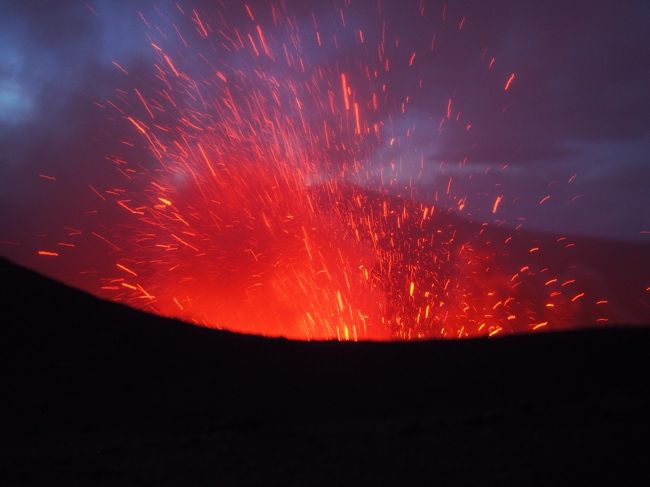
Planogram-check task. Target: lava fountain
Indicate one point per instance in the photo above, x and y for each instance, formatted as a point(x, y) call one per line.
point(249, 199)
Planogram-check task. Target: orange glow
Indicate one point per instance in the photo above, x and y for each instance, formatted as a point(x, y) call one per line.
point(258, 208)
point(47, 253)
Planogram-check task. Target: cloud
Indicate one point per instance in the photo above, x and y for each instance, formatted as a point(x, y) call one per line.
point(579, 103)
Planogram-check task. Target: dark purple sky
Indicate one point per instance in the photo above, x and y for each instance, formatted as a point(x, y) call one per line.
point(580, 104)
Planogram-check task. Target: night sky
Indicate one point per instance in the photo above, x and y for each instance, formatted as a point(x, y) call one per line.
point(547, 105)
point(579, 104)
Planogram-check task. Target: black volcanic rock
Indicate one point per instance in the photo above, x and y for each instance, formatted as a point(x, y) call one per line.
point(99, 394)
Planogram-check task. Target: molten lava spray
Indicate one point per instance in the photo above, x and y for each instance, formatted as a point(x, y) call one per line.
point(264, 203)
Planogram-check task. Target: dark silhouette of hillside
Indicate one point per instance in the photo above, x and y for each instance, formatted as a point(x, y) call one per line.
point(99, 394)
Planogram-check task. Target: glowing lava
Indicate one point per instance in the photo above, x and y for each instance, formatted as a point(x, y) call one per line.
point(254, 209)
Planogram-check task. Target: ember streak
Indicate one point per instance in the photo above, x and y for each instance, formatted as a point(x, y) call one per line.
point(266, 205)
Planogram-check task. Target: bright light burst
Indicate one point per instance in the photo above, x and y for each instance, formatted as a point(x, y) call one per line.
point(262, 206)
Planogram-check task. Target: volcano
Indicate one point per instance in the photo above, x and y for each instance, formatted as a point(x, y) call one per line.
point(99, 393)
point(291, 243)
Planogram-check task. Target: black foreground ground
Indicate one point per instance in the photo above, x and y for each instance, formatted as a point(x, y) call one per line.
point(98, 394)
